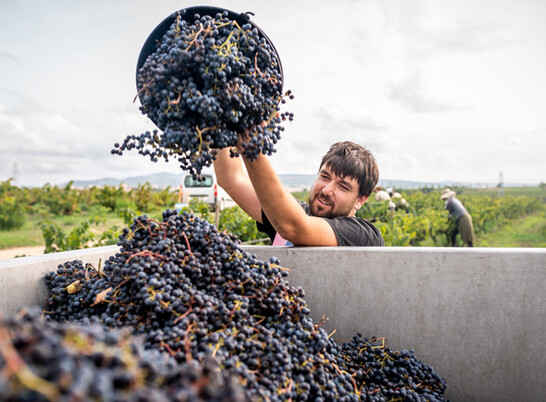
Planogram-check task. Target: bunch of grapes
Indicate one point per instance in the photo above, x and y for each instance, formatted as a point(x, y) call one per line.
point(41, 360)
point(207, 83)
point(193, 293)
point(394, 375)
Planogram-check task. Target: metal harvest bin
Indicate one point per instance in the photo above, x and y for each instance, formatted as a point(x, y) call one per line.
point(478, 316)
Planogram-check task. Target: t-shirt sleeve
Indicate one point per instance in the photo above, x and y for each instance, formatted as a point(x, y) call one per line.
point(266, 227)
point(356, 232)
point(349, 231)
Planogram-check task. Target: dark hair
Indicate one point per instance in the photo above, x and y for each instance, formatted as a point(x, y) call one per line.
point(349, 159)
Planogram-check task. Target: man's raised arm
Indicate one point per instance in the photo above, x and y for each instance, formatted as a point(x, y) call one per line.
point(283, 210)
point(232, 177)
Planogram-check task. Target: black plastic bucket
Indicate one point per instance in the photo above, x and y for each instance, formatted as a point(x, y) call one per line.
point(187, 14)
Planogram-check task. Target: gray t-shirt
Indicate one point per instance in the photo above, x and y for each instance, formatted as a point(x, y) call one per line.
point(349, 230)
point(455, 207)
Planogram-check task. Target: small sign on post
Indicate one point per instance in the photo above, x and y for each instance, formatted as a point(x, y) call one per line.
point(217, 215)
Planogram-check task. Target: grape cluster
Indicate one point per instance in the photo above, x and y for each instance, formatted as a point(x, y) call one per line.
point(41, 360)
point(395, 375)
point(206, 83)
point(193, 293)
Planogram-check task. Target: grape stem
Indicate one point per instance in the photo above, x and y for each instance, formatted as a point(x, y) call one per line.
point(187, 343)
point(142, 89)
point(177, 100)
point(187, 242)
point(145, 253)
point(188, 311)
point(288, 388)
point(169, 349)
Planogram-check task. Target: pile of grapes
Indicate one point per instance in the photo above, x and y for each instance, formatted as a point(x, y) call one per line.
point(207, 82)
point(41, 360)
point(192, 293)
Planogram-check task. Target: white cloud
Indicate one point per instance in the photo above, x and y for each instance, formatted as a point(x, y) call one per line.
point(438, 90)
point(8, 58)
point(411, 93)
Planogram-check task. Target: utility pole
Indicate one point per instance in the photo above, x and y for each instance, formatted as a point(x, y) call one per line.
point(501, 185)
point(14, 172)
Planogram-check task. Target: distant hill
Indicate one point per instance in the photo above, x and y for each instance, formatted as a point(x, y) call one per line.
point(294, 182)
point(406, 184)
point(160, 180)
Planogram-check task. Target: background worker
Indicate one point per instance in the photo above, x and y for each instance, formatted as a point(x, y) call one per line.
point(347, 175)
point(463, 219)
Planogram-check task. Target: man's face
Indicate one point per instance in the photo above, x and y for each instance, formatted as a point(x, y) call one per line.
point(332, 196)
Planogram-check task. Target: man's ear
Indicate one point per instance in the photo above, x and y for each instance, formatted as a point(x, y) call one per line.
point(359, 202)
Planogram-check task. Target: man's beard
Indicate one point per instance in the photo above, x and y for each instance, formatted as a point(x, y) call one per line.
point(317, 209)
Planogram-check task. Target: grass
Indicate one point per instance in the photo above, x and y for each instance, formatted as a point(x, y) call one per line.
point(31, 234)
point(528, 231)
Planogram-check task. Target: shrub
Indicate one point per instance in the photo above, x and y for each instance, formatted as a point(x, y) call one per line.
point(12, 214)
point(12, 209)
point(234, 220)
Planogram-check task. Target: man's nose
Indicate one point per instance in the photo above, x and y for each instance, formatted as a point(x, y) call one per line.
point(328, 189)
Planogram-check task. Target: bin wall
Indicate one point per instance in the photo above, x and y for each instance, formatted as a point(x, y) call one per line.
point(478, 316)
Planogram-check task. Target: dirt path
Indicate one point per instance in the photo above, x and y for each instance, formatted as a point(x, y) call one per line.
point(9, 253)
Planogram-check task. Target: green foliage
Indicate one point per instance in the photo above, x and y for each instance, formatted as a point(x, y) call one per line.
point(109, 196)
point(423, 223)
point(98, 211)
point(301, 195)
point(404, 229)
point(142, 196)
point(199, 208)
point(527, 231)
point(56, 239)
point(426, 222)
point(108, 237)
point(374, 211)
point(12, 214)
point(489, 213)
point(124, 203)
point(234, 220)
point(59, 201)
point(12, 210)
point(128, 215)
point(166, 197)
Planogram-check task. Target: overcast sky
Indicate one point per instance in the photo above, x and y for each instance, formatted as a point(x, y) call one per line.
point(438, 90)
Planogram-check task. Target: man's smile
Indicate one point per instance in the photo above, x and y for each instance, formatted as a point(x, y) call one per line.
point(324, 201)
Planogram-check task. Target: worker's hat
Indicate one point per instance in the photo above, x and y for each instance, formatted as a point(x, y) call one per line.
point(446, 193)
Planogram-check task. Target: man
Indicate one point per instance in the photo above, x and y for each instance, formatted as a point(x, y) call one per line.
point(464, 220)
point(347, 176)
